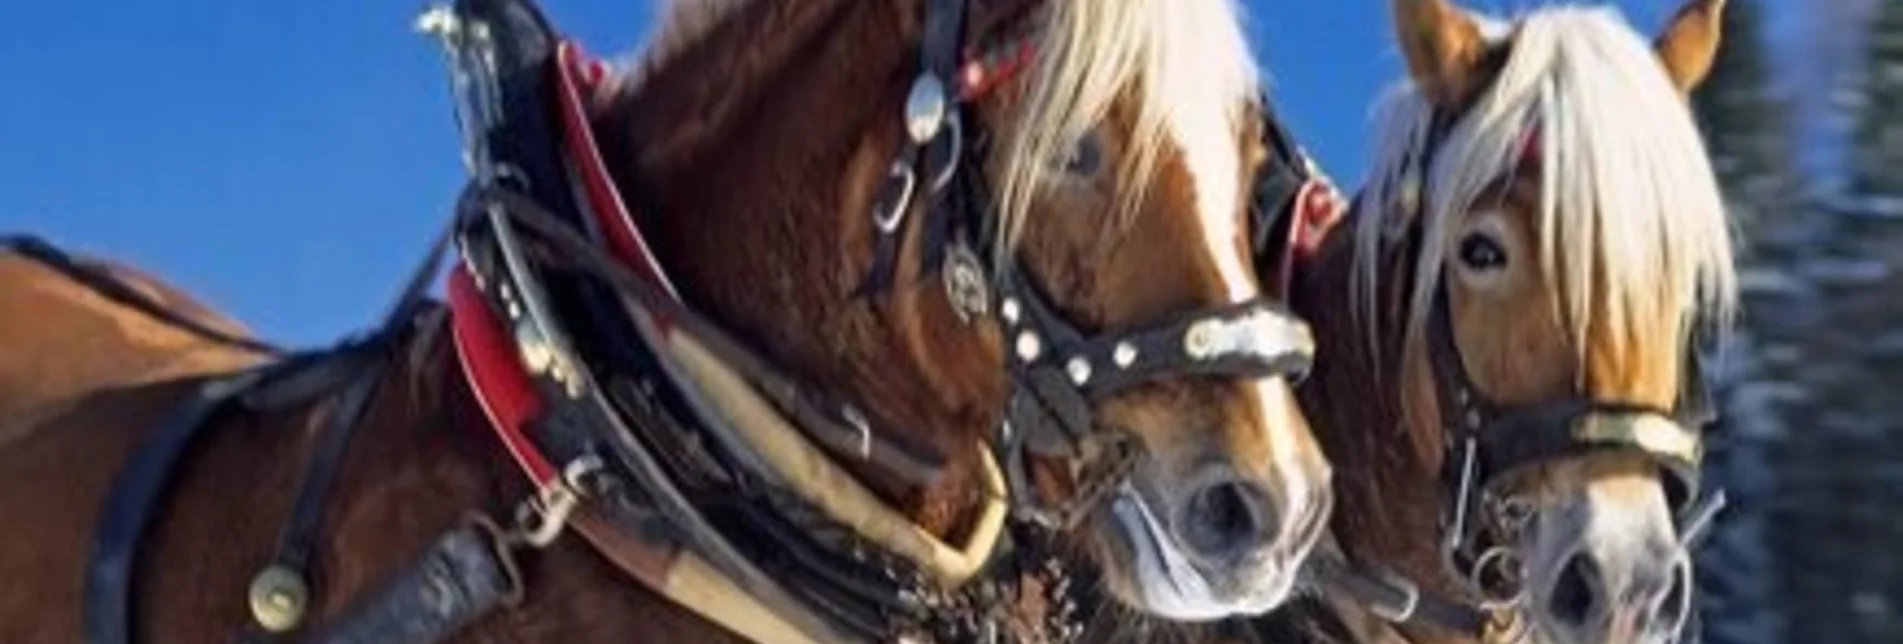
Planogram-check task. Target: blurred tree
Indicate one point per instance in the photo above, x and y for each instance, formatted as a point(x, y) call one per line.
point(1838, 515)
point(1746, 132)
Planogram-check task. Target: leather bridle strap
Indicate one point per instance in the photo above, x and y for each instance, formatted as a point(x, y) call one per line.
point(1059, 374)
point(930, 154)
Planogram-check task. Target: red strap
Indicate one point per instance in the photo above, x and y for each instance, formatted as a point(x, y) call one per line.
point(1531, 147)
point(575, 74)
point(1318, 208)
point(495, 374)
point(982, 73)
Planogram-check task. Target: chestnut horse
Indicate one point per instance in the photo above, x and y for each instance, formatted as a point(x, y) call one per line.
point(1526, 281)
point(791, 398)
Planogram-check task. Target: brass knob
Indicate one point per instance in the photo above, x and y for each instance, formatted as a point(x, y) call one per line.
point(279, 597)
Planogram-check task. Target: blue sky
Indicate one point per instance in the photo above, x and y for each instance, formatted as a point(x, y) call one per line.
point(288, 160)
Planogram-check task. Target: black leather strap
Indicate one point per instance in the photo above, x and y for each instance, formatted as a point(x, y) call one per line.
point(300, 534)
point(107, 610)
point(465, 574)
point(920, 172)
point(1276, 186)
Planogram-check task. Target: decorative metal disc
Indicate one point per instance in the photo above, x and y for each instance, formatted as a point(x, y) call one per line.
point(925, 108)
point(965, 283)
point(278, 598)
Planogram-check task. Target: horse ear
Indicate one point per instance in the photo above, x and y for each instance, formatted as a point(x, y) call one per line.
point(1443, 47)
point(1689, 45)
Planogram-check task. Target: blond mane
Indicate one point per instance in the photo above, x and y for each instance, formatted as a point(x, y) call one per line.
point(1185, 64)
point(1632, 229)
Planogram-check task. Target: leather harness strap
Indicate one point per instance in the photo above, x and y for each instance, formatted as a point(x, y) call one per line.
point(107, 610)
point(463, 575)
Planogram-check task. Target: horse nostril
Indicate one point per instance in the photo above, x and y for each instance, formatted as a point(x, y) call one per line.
point(1225, 521)
point(1576, 593)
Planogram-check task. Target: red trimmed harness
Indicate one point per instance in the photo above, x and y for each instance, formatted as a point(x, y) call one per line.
point(488, 353)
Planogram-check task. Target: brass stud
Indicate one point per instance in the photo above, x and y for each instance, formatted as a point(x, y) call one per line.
point(278, 598)
point(1201, 339)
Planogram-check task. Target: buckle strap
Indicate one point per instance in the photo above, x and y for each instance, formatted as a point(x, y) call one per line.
point(465, 574)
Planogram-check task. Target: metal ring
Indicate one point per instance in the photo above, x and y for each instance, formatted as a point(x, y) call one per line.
point(1498, 555)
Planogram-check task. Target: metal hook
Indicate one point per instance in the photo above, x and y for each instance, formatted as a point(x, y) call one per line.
point(887, 220)
point(949, 168)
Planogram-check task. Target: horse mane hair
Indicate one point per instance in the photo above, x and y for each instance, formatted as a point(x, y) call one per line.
point(1090, 54)
point(1189, 70)
point(1632, 226)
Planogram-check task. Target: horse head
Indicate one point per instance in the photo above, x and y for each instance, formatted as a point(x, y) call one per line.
point(819, 177)
point(1539, 253)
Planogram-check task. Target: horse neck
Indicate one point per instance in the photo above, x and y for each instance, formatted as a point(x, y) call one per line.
point(755, 154)
point(1388, 508)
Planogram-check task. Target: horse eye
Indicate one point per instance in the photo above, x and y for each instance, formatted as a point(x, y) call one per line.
point(1085, 157)
point(1481, 253)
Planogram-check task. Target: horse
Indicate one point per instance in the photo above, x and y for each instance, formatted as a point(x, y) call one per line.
point(1529, 281)
point(739, 344)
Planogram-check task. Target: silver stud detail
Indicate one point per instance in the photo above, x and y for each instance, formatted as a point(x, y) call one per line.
point(1010, 310)
point(1079, 370)
point(1028, 346)
point(537, 355)
point(1124, 355)
point(1200, 341)
point(925, 108)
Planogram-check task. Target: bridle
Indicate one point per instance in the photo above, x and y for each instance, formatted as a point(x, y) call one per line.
point(625, 443)
point(1489, 442)
point(1058, 371)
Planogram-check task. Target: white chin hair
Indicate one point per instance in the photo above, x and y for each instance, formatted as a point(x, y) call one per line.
point(1167, 584)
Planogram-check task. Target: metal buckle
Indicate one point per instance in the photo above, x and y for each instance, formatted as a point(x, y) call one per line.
point(542, 517)
point(1403, 585)
point(887, 220)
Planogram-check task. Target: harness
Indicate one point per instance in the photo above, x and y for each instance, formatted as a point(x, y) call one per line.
point(683, 457)
point(1490, 441)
